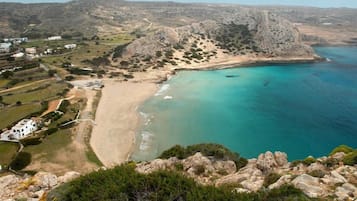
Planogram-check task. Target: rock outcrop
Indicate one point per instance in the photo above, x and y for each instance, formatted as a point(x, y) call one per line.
point(320, 179)
point(33, 188)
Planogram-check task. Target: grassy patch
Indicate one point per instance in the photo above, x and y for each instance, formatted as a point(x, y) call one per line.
point(50, 145)
point(13, 114)
point(40, 93)
point(8, 151)
point(3, 83)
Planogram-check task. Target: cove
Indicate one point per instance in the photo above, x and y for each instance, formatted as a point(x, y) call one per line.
point(300, 109)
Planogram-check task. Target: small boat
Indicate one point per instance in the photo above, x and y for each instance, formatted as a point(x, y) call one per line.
point(168, 97)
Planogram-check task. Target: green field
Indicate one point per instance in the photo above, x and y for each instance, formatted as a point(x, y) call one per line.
point(3, 83)
point(11, 115)
point(50, 145)
point(89, 50)
point(36, 93)
point(8, 151)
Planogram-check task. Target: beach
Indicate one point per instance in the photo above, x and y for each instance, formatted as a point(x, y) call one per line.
point(117, 120)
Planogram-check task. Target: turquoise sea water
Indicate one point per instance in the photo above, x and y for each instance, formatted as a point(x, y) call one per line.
point(301, 109)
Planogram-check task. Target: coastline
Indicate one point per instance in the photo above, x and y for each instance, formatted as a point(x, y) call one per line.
point(117, 119)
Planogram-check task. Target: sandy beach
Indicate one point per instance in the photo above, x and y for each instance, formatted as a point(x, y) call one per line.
point(117, 120)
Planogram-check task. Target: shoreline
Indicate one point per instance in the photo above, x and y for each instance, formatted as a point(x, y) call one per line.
point(114, 142)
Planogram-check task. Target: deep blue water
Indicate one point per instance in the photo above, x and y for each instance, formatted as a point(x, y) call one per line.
point(301, 109)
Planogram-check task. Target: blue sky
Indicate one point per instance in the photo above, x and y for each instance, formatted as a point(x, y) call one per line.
point(316, 3)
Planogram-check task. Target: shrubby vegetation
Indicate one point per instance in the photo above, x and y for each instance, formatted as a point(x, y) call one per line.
point(342, 148)
point(124, 183)
point(214, 150)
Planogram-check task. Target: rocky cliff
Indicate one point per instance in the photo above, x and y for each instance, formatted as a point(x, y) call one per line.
point(326, 177)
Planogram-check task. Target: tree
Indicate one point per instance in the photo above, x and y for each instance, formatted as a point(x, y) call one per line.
point(51, 73)
point(7, 74)
point(1, 99)
point(18, 103)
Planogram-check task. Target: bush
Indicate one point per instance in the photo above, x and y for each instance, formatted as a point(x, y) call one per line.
point(309, 160)
point(200, 169)
point(211, 150)
point(350, 158)
point(22, 160)
point(271, 178)
point(342, 148)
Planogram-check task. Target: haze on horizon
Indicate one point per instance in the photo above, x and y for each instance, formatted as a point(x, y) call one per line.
point(314, 3)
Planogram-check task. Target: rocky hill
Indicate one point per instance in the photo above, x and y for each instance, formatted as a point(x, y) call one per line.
point(326, 178)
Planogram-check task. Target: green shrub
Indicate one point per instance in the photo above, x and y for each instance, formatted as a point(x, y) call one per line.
point(200, 169)
point(342, 148)
point(309, 160)
point(22, 160)
point(211, 150)
point(350, 158)
point(271, 178)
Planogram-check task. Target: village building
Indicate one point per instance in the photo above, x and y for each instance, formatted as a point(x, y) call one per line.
point(30, 50)
point(21, 130)
point(5, 47)
point(55, 38)
point(16, 40)
point(70, 46)
point(18, 55)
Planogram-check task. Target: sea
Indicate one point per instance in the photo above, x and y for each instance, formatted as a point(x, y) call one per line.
point(301, 109)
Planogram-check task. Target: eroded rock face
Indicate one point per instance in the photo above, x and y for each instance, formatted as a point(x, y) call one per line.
point(268, 161)
point(310, 186)
point(285, 179)
point(33, 188)
point(346, 192)
point(250, 177)
point(45, 180)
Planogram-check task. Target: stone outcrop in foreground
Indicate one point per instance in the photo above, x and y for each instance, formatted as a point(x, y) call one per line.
point(325, 177)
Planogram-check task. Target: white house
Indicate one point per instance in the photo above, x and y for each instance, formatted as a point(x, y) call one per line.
point(5, 47)
point(23, 128)
point(55, 38)
point(70, 46)
point(30, 50)
point(18, 55)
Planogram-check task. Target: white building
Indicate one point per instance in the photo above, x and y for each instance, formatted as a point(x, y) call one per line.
point(70, 46)
point(55, 38)
point(5, 47)
point(18, 55)
point(30, 50)
point(23, 128)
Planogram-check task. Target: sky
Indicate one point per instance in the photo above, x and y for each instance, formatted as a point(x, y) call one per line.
point(315, 3)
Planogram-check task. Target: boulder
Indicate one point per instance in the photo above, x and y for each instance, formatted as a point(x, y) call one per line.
point(316, 167)
point(155, 165)
point(281, 158)
point(338, 177)
point(338, 156)
point(45, 180)
point(309, 185)
point(285, 179)
point(266, 162)
point(346, 192)
point(68, 176)
point(8, 184)
point(250, 177)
